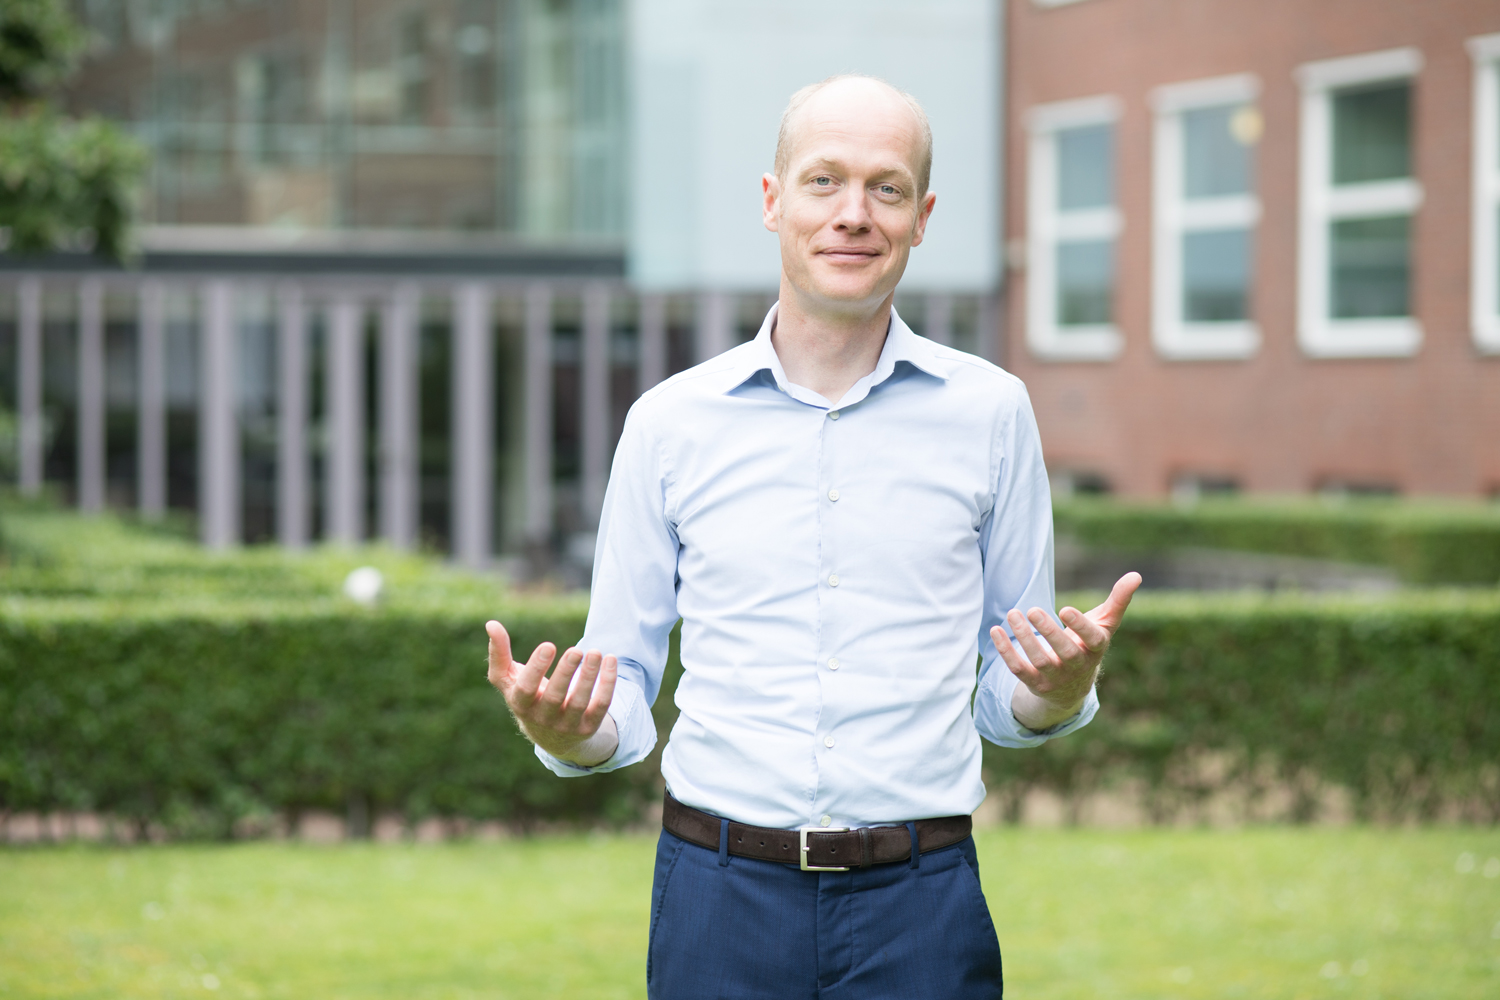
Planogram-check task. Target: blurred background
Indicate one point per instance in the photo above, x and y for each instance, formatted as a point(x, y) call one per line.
point(319, 321)
point(398, 270)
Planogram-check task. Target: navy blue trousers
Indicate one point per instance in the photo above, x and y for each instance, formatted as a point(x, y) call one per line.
point(758, 930)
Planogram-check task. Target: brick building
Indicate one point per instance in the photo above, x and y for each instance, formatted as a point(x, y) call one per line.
point(1252, 243)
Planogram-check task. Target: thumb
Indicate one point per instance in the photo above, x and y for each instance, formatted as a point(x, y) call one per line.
point(499, 654)
point(1112, 611)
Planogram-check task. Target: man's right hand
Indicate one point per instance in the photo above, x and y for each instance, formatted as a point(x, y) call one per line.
point(566, 714)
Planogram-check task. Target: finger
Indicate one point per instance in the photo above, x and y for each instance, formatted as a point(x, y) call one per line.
point(557, 684)
point(1061, 642)
point(1027, 674)
point(1039, 655)
point(1112, 611)
point(527, 687)
point(582, 687)
point(499, 655)
point(604, 694)
point(1093, 636)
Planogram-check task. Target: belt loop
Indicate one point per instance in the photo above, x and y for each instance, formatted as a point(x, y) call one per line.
point(724, 843)
point(866, 855)
point(916, 857)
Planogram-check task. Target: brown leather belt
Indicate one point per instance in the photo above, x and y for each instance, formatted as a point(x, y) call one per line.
point(814, 849)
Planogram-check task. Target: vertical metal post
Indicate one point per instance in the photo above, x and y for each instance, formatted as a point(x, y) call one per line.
point(151, 406)
point(651, 363)
point(398, 417)
point(714, 321)
point(218, 424)
point(291, 418)
point(596, 364)
point(538, 334)
point(29, 384)
point(473, 424)
point(939, 319)
point(90, 395)
point(346, 422)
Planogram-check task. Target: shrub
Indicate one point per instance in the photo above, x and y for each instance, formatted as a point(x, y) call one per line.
point(142, 677)
point(1425, 542)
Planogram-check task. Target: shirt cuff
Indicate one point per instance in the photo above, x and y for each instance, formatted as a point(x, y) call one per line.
point(635, 725)
point(997, 722)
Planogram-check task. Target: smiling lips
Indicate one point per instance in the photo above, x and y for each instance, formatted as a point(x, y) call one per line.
point(850, 254)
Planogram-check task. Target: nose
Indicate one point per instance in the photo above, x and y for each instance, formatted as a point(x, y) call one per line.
point(852, 214)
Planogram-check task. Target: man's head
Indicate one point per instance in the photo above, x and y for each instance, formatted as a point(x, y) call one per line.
point(849, 196)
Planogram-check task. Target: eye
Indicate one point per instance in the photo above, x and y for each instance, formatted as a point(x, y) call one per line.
point(888, 190)
point(822, 181)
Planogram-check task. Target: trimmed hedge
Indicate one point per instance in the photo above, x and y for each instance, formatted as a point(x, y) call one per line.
point(1393, 699)
point(1426, 542)
point(144, 678)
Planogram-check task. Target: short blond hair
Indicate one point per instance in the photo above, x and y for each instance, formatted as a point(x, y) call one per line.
point(801, 97)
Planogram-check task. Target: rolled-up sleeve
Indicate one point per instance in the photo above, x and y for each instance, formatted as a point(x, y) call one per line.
point(634, 594)
point(1016, 546)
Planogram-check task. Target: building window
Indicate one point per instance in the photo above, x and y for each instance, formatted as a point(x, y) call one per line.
point(1205, 211)
point(1072, 225)
point(1485, 285)
point(1359, 194)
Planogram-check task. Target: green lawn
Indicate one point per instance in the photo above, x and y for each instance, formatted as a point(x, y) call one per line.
point(1283, 913)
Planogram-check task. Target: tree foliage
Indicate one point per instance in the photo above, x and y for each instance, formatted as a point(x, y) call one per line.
point(64, 184)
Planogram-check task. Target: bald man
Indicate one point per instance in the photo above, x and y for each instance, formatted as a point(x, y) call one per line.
point(846, 517)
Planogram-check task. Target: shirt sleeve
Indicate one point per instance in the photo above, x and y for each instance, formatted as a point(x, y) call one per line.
point(633, 600)
point(1016, 548)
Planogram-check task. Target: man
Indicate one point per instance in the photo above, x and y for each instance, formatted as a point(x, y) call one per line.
point(839, 512)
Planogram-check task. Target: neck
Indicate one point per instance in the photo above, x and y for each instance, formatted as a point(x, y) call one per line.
point(824, 350)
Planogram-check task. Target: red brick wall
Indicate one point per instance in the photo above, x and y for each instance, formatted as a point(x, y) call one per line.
point(1280, 421)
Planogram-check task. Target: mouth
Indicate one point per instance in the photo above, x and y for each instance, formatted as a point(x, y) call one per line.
point(850, 254)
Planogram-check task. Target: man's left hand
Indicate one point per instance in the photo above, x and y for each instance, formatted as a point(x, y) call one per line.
point(1056, 675)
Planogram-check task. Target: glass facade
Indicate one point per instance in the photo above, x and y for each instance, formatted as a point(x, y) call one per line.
point(473, 115)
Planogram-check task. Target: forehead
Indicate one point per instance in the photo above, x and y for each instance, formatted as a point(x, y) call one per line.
point(859, 119)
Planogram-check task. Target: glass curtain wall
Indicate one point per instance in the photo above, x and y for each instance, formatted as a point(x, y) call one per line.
point(488, 116)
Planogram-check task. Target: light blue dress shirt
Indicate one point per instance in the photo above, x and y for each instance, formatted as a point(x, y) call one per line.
point(837, 568)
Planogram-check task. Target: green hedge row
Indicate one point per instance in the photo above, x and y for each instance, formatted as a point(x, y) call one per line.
point(196, 721)
point(1425, 542)
point(199, 721)
point(1393, 700)
point(144, 678)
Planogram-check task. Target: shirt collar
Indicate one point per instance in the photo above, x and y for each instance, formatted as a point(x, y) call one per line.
point(901, 344)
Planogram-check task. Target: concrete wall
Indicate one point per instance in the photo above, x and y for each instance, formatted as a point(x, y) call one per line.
point(709, 81)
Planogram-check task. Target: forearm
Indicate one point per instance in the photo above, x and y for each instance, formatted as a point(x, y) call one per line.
point(1037, 713)
point(589, 752)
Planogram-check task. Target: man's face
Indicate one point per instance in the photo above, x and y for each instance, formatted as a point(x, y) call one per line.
point(847, 211)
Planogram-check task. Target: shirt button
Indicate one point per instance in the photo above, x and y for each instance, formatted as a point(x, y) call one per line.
point(833, 663)
point(833, 495)
point(833, 581)
point(827, 819)
point(833, 414)
point(828, 742)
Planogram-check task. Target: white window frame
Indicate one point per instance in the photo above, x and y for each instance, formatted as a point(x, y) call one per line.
point(1484, 287)
point(1319, 335)
point(1173, 215)
point(1046, 226)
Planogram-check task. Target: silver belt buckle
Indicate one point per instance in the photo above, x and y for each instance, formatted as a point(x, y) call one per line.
point(802, 837)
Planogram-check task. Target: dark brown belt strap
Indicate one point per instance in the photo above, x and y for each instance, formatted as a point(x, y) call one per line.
point(868, 845)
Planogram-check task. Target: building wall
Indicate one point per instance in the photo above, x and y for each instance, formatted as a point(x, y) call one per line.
point(482, 115)
point(709, 81)
point(1278, 421)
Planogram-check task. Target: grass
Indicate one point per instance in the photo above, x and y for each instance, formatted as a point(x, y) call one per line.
point(1260, 913)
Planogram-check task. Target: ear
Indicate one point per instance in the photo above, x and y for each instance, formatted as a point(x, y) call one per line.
point(770, 189)
point(924, 212)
